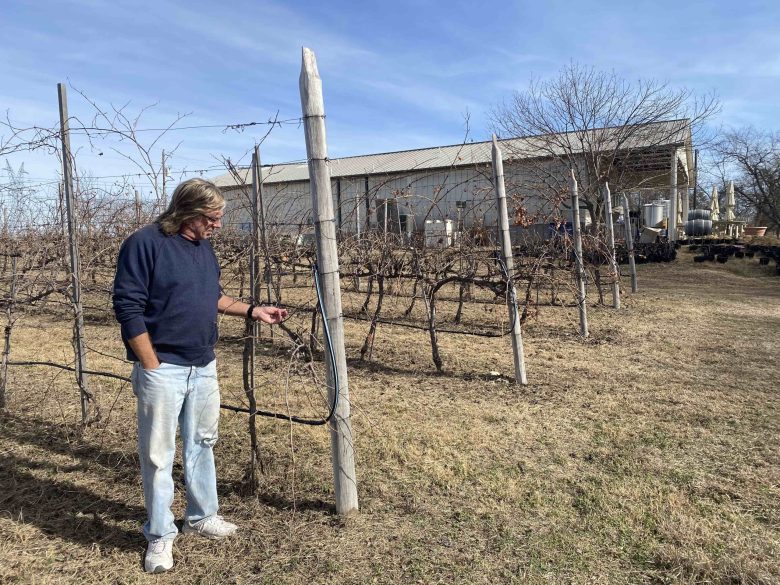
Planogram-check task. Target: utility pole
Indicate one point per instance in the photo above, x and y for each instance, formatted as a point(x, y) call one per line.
point(70, 208)
point(509, 263)
point(341, 436)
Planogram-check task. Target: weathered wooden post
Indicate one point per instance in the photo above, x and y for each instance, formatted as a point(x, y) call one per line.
point(8, 328)
point(251, 329)
point(359, 243)
point(70, 207)
point(341, 437)
point(695, 177)
point(509, 264)
point(629, 242)
point(260, 231)
point(671, 225)
point(164, 194)
point(611, 243)
point(579, 269)
point(137, 209)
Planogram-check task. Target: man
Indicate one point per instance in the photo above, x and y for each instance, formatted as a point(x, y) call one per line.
point(166, 298)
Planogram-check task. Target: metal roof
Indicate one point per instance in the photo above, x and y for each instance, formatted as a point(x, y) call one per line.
point(475, 153)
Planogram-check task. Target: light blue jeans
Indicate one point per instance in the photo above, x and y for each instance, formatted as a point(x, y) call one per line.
point(167, 396)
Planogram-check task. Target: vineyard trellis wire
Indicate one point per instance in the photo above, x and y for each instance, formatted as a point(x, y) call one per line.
point(380, 259)
point(397, 279)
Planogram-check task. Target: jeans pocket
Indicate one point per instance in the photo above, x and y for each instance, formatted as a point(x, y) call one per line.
point(151, 369)
point(145, 381)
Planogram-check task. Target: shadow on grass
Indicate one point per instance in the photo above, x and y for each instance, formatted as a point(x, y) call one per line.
point(64, 440)
point(284, 504)
point(274, 500)
point(63, 509)
point(379, 368)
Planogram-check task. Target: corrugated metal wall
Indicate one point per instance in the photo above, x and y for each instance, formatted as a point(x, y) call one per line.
point(419, 195)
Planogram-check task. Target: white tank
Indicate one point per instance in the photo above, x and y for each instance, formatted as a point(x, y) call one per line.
point(653, 213)
point(664, 204)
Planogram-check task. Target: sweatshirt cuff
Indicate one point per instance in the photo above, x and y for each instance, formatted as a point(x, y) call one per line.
point(133, 328)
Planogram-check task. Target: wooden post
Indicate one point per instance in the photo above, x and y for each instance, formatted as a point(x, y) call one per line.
point(695, 176)
point(260, 232)
point(251, 330)
point(611, 243)
point(137, 209)
point(342, 454)
point(509, 264)
point(6, 243)
point(70, 208)
point(579, 269)
point(629, 242)
point(685, 203)
point(359, 244)
point(8, 328)
point(164, 195)
point(62, 213)
point(671, 226)
point(368, 205)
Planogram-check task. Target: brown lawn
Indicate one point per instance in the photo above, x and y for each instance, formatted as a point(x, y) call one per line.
point(646, 454)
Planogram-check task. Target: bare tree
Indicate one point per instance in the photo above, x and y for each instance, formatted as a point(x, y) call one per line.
point(751, 158)
point(602, 126)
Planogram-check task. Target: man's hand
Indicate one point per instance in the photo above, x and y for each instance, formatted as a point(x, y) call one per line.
point(151, 365)
point(270, 315)
point(144, 350)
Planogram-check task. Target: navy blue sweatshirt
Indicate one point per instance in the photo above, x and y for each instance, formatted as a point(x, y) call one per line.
point(168, 286)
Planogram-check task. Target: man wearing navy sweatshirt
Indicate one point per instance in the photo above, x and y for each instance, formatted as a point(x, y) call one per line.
point(166, 298)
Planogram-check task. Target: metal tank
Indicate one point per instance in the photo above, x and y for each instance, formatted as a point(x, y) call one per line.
point(652, 214)
point(698, 227)
point(699, 214)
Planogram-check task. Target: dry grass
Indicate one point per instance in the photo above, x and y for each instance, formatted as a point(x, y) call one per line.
point(647, 454)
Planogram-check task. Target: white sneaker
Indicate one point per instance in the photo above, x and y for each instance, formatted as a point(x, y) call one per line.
point(159, 555)
point(214, 527)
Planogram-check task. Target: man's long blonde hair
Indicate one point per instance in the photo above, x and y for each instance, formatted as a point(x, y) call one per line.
point(190, 199)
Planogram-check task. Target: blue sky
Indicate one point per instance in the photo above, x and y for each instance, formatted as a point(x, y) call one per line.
point(396, 75)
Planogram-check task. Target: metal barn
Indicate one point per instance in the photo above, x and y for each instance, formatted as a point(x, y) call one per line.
point(450, 187)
